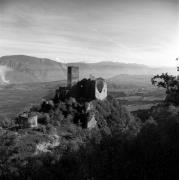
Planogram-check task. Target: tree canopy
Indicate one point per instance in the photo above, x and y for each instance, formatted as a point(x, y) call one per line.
point(166, 81)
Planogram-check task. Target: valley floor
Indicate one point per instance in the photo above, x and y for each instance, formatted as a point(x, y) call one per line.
point(17, 98)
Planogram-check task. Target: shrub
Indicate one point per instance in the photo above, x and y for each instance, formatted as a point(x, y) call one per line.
point(5, 122)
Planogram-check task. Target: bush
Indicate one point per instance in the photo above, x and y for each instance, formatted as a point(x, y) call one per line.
point(5, 122)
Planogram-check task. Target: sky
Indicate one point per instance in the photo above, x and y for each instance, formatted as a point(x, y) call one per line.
point(131, 31)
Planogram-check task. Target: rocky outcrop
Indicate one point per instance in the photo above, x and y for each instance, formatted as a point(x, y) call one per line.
point(43, 147)
point(91, 120)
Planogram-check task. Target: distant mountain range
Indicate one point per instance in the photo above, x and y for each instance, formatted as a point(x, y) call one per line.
point(26, 69)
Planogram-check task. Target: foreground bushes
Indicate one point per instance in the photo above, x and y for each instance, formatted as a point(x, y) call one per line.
point(152, 154)
point(122, 147)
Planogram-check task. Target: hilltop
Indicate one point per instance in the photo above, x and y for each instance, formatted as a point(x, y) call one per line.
point(64, 125)
point(81, 137)
point(118, 146)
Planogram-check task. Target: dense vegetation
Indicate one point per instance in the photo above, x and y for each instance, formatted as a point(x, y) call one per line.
point(35, 152)
point(152, 153)
point(122, 146)
point(170, 83)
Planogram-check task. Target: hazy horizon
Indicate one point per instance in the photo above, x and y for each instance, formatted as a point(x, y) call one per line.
point(69, 62)
point(130, 31)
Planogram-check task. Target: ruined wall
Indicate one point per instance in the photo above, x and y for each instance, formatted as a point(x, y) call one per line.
point(90, 89)
point(32, 121)
point(91, 120)
point(27, 120)
point(61, 94)
point(100, 89)
point(92, 123)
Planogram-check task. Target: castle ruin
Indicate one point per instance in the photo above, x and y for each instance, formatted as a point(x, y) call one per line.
point(28, 120)
point(87, 89)
point(100, 89)
point(84, 91)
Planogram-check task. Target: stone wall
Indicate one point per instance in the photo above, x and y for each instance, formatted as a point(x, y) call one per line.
point(27, 120)
point(91, 120)
point(100, 89)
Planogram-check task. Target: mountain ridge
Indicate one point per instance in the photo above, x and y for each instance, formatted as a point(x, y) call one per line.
point(26, 69)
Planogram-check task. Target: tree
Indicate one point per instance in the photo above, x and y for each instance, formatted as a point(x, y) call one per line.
point(166, 81)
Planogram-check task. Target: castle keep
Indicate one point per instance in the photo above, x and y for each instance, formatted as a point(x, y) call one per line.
point(72, 75)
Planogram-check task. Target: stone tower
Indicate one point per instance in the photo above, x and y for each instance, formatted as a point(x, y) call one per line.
point(72, 75)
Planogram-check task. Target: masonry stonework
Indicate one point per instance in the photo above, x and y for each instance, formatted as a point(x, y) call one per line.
point(100, 89)
point(27, 120)
point(72, 75)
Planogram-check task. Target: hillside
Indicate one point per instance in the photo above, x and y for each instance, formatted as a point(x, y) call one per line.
point(131, 80)
point(110, 69)
point(59, 148)
point(26, 69)
point(15, 98)
point(61, 130)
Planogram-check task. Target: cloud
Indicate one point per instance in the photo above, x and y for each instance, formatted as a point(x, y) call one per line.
point(3, 71)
